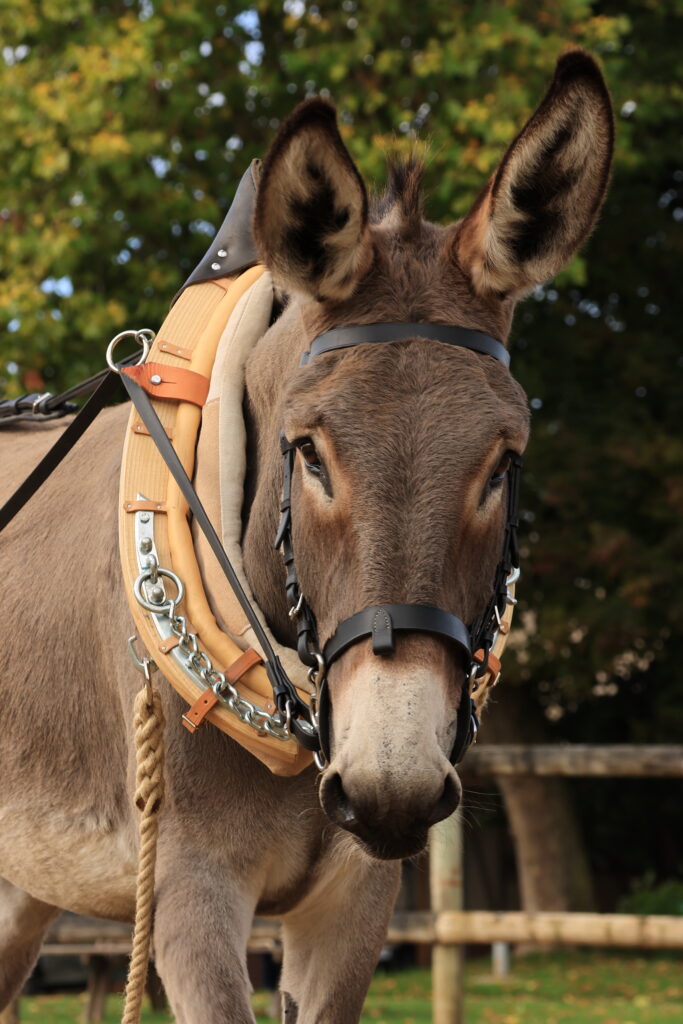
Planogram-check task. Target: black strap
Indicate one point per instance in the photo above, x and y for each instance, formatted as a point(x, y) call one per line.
point(360, 334)
point(283, 689)
point(105, 392)
point(381, 621)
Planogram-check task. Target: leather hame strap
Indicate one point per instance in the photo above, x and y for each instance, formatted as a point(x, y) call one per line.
point(447, 334)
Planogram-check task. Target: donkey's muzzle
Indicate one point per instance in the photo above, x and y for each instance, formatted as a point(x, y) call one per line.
point(387, 832)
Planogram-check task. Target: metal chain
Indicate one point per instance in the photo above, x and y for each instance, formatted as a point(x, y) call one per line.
point(198, 660)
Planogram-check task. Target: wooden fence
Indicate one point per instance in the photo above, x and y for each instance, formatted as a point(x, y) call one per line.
point(448, 927)
point(453, 926)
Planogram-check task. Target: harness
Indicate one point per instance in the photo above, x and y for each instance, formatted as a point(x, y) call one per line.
point(242, 680)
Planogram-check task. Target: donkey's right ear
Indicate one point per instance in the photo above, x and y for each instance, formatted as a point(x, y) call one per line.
point(312, 207)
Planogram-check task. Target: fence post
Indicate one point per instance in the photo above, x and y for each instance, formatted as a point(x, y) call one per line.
point(446, 885)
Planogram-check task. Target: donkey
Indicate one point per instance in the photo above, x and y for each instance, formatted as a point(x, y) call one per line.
point(398, 494)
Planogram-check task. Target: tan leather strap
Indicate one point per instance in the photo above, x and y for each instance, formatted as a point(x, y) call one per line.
point(493, 668)
point(162, 381)
point(207, 699)
point(195, 715)
point(144, 506)
point(138, 427)
point(175, 350)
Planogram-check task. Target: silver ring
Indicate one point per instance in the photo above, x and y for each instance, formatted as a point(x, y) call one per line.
point(145, 336)
point(163, 607)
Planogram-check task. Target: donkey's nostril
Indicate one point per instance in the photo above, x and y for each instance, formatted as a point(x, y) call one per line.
point(335, 802)
point(448, 801)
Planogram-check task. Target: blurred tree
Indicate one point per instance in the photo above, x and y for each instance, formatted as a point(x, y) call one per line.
point(124, 127)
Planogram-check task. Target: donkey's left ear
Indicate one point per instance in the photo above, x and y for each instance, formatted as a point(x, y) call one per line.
point(543, 201)
point(312, 207)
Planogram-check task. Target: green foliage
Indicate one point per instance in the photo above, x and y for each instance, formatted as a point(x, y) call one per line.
point(646, 897)
point(124, 128)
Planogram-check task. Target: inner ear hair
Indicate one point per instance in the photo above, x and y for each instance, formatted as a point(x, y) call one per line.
point(544, 199)
point(311, 212)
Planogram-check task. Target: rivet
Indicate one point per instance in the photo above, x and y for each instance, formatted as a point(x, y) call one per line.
point(215, 266)
point(157, 594)
point(146, 545)
point(155, 379)
point(222, 253)
point(150, 562)
point(144, 518)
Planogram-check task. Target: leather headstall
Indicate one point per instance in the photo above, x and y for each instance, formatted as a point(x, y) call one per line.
point(475, 643)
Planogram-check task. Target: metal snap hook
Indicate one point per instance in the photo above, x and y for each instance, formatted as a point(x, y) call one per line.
point(144, 665)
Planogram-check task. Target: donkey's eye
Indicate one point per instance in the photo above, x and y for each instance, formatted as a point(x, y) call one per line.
point(500, 472)
point(310, 456)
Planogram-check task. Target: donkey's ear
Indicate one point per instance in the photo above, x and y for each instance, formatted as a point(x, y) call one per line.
point(544, 199)
point(312, 207)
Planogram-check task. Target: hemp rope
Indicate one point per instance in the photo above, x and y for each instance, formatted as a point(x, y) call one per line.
point(149, 792)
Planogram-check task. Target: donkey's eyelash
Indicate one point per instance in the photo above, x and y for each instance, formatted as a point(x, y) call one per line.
point(313, 462)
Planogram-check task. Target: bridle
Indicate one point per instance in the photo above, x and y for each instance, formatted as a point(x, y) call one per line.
point(380, 623)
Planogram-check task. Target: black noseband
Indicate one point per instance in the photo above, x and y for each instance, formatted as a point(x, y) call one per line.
point(383, 620)
point(380, 623)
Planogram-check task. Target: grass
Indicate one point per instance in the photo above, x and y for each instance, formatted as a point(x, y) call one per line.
point(558, 988)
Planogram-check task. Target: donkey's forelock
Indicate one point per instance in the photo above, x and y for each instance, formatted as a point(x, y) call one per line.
point(402, 202)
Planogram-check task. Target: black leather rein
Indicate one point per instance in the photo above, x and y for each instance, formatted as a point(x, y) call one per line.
point(381, 622)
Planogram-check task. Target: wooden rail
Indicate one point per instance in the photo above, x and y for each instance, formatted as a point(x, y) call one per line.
point(447, 927)
point(576, 760)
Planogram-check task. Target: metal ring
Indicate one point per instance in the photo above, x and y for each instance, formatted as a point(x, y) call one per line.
point(162, 607)
point(145, 336)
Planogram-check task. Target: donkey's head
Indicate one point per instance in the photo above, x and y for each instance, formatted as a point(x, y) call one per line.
point(399, 485)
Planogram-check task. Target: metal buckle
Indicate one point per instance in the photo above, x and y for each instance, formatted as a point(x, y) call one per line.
point(35, 411)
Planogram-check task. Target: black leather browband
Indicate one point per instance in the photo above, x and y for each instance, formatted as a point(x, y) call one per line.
point(448, 334)
point(381, 621)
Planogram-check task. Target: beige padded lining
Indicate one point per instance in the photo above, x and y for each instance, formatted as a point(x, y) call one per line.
point(221, 469)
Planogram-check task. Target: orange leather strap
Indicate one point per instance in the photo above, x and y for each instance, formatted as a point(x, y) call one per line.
point(160, 381)
point(493, 668)
point(195, 715)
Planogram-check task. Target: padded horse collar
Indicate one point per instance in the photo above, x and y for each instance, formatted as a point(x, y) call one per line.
point(381, 622)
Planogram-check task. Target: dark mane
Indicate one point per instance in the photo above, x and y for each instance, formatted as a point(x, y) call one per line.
point(403, 193)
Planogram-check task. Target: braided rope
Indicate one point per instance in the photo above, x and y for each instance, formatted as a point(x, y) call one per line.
point(149, 792)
